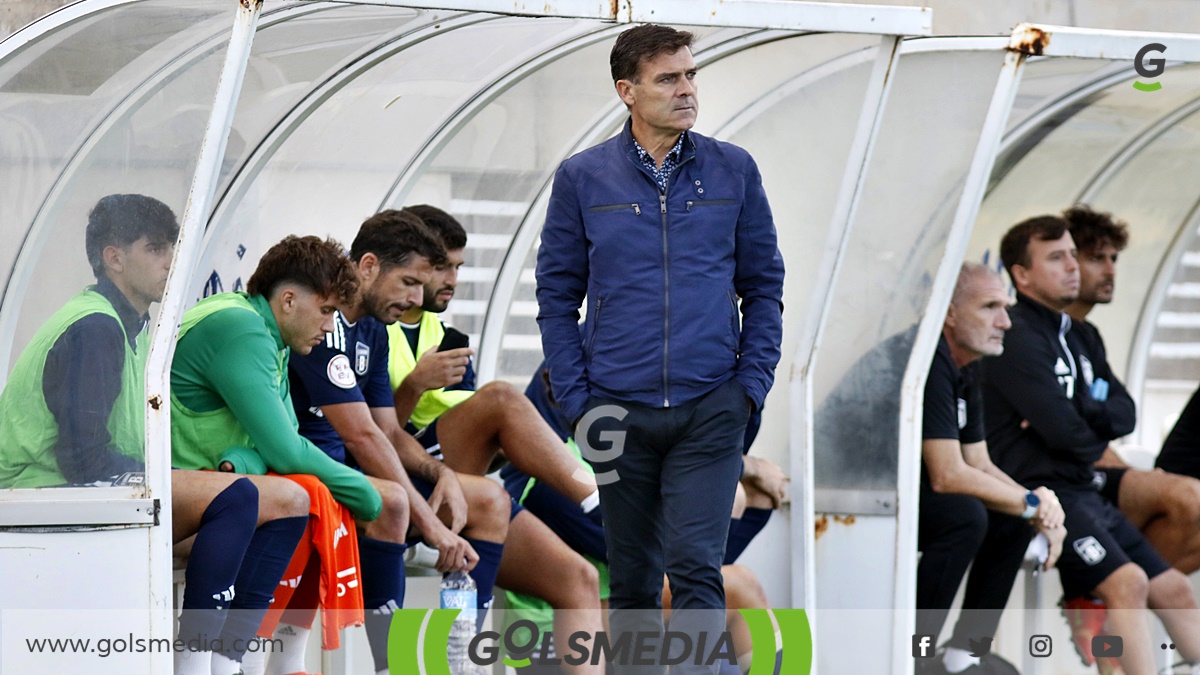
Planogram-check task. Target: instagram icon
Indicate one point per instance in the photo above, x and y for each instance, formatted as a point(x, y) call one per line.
point(1040, 646)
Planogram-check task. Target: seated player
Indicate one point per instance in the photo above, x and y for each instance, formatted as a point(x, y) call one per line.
point(343, 400)
point(468, 430)
point(1164, 506)
point(230, 390)
point(72, 413)
point(970, 510)
point(1046, 426)
point(763, 488)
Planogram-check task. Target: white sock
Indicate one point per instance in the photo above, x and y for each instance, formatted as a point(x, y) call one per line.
point(290, 657)
point(591, 501)
point(255, 660)
point(223, 665)
point(383, 672)
point(957, 660)
point(193, 663)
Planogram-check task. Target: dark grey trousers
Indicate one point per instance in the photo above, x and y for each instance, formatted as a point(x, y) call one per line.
point(667, 481)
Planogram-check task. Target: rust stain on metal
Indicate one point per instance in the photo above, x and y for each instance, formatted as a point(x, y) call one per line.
point(251, 4)
point(614, 7)
point(1029, 39)
point(156, 401)
point(845, 520)
point(822, 524)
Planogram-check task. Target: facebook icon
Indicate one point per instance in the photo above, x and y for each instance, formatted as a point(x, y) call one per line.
point(922, 646)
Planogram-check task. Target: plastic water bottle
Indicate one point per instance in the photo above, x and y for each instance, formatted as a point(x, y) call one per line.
point(458, 592)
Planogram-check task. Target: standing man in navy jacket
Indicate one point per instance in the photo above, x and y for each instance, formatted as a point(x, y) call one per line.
point(662, 230)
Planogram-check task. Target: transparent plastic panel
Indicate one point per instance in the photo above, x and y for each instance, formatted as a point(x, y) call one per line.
point(92, 346)
point(490, 172)
point(1049, 80)
point(59, 88)
point(1055, 164)
point(339, 161)
point(912, 188)
point(1123, 151)
point(295, 50)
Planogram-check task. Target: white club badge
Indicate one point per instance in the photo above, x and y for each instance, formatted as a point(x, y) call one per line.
point(340, 372)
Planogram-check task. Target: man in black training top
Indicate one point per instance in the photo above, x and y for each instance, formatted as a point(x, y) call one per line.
point(971, 510)
point(1044, 427)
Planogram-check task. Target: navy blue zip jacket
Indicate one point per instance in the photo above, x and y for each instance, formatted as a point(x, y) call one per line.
point(662, 274)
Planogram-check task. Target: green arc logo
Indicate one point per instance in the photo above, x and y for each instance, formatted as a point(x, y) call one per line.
point(417, 640)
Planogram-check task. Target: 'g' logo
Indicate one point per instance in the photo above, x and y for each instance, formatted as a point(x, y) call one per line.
point(1149, 68)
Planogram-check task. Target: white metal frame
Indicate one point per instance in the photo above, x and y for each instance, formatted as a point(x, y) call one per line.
point(357, 64)
point(913, 386)
point(162, 346)
point(781, 14)
point(883, 74)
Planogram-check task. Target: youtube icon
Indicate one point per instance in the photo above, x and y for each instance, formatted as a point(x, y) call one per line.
point(1107, 645)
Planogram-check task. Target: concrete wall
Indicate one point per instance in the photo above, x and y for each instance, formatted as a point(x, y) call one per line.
point(950, 17)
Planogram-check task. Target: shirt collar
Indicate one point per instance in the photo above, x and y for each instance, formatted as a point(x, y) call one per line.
point(263, 307)
point(672, 156)
point(133, 323)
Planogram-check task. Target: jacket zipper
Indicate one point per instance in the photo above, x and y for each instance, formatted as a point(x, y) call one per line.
point(662, 202)
point(662, 207)
point(591, 350)
point(733, 304)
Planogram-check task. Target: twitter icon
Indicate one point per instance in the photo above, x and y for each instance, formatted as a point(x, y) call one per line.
point(980, 647)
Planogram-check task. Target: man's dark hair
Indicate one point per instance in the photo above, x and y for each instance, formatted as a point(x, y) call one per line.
point(453, 235)
point(642, 43)
point(1014, 247)
point(319, 265)
point(1092, 229)
point(120, 220)
point(395, 237)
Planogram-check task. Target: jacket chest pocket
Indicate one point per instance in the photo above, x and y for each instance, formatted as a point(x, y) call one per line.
point(614, 208)
point(694, 205)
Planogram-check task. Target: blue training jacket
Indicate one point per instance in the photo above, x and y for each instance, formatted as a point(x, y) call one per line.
point(662, 273)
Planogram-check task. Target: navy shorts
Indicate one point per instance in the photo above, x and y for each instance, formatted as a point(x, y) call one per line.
point(1099, 540)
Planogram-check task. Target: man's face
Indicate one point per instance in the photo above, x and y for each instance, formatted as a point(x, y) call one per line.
point(1052, 277)
point(144, 267)
point(307, 317)
point(1097, 274)
point(398, 289)
point(664, 97)
point(440, 289)
point(978, 321)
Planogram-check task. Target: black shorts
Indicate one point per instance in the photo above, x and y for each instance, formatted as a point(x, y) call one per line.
point(1099, 540)
point(427, 437)
point(426, 488)
point(1107, 481)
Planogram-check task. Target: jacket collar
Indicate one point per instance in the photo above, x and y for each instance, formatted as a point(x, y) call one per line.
point(1052, 318)
point(263, 307)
